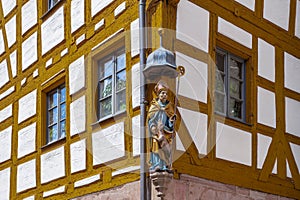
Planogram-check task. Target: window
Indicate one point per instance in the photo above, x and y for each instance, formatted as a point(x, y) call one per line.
point(56, 114)
point(112, 84)
point(230, 85)
point(51, 3)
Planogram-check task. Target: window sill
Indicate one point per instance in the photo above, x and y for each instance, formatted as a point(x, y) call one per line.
point(233, 119)
point(110, 118)
point(54, 143)
point(52, 10)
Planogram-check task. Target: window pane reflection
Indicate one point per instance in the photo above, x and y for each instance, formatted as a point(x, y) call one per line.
point(121, 62)
point(121, 80)
point(235, 108)
point(121, 101)
point(105, 88)
point(53, 133)
point(105, 107)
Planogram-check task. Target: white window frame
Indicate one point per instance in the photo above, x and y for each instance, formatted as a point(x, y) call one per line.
point(112, 56)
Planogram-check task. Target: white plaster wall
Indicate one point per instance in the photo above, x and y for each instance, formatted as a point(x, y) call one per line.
point(108, 144)
point(189, 30)
point(87, 181)
point(80, 39)
point(266, 110)
point(288, 170)
point(7, 6)
point(179, 145)
point(53, 30)
point(296, 152)
point(297, 25)
point(77, 75)
point(121, 8)
point(29, 51)
point(35, 73)
point(27, 106)
point(196, 123)
point(100, 24)
point(98, 6)
point(7, 92)
point(235, 33)
point(248, 3)
point(29, 198)
point(2, 49)
point(77, 116)
point(64, 52)
point(78, 156)
point(277, 12)
point(292, 116)
point(233, 144)
point(134, 37)
point(49, 62)
point(5, 184)
point(52, 165)
point(4, 77)
point(5, 113)
point(29, 15)
point(26, 140)
point(26, 175)
point(291, 72)
point(125, 170)
point(136, 135)
point(263, 144)
point(77, 14)
point(266, 60)
point(5, 144)
point(194, 82)
point(54, 191)
point(11, 32)
point(13, 62)
point(135, 85)
point(23, 81)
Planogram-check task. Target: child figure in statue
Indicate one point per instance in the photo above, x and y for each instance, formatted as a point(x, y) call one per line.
point(161, 120)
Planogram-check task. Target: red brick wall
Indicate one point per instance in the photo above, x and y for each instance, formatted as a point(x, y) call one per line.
point(187, 188)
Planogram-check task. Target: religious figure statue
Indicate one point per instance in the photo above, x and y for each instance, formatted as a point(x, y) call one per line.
point(161, 119)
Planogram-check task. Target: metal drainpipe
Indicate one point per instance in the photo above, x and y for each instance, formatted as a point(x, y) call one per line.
point(142, 37)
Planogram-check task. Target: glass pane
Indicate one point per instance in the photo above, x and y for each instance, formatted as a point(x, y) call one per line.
point(106, 69)
point(106, 87)
point(105, 107)
point(63, 94)
point(52, 102)
point(53, 116)
point(63, 129)
point(220, 62)
point(220, 102)
point(235, 68)
point(121, 80)
point(52, 133)
point(121, 62)
point(52, 3)
point(235, 108)
point(220, 84)
point(235, 88)
point(121, 101)
point(63, 111)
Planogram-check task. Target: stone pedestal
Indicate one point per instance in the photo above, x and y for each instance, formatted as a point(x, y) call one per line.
point(161, 182)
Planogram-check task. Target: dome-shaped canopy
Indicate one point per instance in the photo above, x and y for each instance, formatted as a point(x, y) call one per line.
point(161, 62)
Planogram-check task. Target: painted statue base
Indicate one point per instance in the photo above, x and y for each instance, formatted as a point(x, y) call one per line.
point(161, 181)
